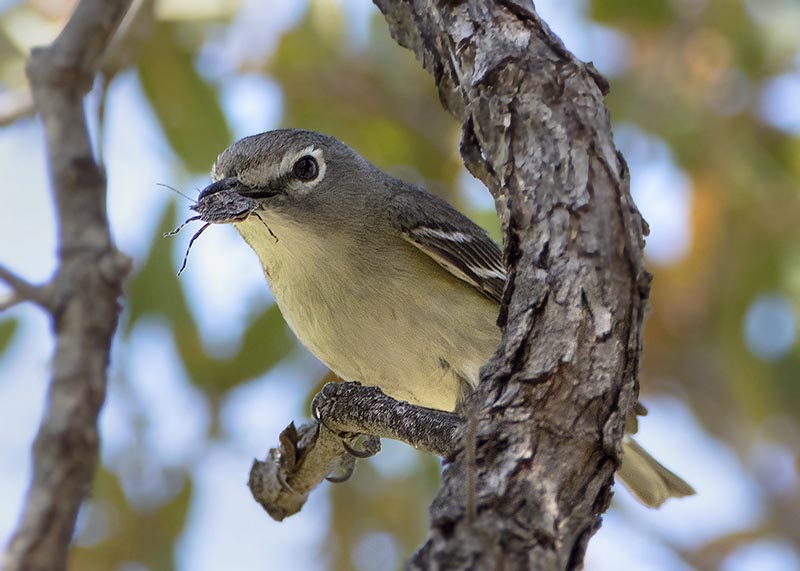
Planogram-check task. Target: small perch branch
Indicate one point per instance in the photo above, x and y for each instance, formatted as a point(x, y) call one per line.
point(351, 407)
point(301, 462)
point(306, 456)
point(23, 290)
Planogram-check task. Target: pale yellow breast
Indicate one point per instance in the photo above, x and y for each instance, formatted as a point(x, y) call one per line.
point(379, 322)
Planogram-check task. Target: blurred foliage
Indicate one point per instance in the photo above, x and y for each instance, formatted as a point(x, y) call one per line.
point(653, 15)
point(186, 106)
point(383, 107)
point(121, 533)
point(693, 76)
point(745, 203)
point(156, 291)
point(7, 329)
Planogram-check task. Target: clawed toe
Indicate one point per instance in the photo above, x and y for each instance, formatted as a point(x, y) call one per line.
point(355, 452)
point(344, 471)
point(368, 446)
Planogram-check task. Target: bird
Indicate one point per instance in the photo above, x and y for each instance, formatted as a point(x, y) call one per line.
point(385, 283)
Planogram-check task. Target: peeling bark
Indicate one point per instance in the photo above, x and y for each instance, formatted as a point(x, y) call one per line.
point(534, 475)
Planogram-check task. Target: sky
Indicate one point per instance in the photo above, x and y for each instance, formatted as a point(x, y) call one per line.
point(226, 528)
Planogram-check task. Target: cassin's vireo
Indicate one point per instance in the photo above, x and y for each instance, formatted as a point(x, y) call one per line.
point(384, 282)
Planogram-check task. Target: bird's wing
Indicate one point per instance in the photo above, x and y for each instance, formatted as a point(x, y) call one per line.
point(470, 256)
point(454, 241)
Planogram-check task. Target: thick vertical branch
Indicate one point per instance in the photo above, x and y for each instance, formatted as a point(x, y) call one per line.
point(82, 296)
point(547, 420)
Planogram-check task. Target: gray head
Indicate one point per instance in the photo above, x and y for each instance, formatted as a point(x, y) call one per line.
point(292, 172)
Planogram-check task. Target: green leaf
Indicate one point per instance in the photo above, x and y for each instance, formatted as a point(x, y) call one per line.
point(145, 534)
point(265, 342)
point(186, 106)
point(385, 104)
point(7, 330)
point(156, 291)
point(650, 14)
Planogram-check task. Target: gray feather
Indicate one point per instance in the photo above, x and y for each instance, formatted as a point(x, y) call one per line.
point(454, 241)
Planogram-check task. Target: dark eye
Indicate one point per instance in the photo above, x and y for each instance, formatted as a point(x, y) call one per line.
point(306, 168)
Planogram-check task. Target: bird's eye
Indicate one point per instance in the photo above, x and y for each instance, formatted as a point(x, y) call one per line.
point(306, 168)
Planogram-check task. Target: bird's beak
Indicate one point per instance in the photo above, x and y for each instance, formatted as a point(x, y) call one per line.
point(230, 183)
point(225, 201)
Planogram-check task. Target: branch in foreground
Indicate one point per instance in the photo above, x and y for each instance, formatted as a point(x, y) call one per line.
point(306, 456)
point(547, 419)
point(83, 293)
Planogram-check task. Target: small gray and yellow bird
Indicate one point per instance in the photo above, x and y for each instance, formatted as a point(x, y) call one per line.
point(385, 283)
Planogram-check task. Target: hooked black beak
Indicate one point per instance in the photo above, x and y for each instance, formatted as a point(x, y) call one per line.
point(232, 183)
point(222, 184)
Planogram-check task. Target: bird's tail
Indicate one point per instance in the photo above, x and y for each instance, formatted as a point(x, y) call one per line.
point(649, 481)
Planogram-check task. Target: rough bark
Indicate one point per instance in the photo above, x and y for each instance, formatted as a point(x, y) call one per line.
point(544, 428)
point(81, 297)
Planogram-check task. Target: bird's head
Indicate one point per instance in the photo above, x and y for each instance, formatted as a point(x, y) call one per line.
point(291, 173)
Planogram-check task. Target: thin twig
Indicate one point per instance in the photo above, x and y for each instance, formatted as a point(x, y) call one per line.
point(470, 446)
point(9, 301)
point(22, 290)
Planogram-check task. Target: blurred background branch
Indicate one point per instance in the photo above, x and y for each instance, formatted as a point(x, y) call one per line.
point(22, 291)
point(82, 297)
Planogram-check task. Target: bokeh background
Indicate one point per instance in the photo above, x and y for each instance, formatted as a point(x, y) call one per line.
point(706, 107)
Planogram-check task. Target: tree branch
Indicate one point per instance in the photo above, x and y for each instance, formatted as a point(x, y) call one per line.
point(301, 462)
point(547, 419)
point(85, 290)
point(23, 290)
point(306, 456)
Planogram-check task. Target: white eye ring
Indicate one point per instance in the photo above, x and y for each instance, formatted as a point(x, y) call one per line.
point(306, 168)
point(267, 172)
point(289, 162)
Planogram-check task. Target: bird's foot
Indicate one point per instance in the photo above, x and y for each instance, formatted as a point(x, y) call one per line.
point(356, 444)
